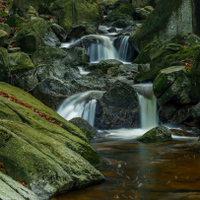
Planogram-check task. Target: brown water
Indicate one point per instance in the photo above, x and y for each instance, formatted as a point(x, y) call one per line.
point(133, 170)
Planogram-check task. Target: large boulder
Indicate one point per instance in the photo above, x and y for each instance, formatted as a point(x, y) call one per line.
point(11, 189)
point(157, 134)
point(118, 107)
point(41, 149)
point(74, 12)
point(35, 34)
point(168, 19)
point(173, 85)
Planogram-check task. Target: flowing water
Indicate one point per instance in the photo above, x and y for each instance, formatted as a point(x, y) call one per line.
point(134, 170)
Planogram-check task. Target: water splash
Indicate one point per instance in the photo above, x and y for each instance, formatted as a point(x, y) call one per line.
point(80, 105)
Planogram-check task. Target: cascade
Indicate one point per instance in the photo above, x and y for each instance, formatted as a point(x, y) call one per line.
point(80, 105)
point(101, 49)
point(125, 53)
point(148, 105)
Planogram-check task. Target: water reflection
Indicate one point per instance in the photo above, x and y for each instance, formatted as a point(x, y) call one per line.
point(133, 170)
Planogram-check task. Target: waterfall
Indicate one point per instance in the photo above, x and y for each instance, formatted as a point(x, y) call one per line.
point(123, 48)
point(148, 105)
point(80, 105)
point(101, 49)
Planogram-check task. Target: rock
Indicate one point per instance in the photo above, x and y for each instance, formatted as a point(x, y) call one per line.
point(121, 17)
point(36, 4)
point(118, 108)
point(35, 34)
point(79, 30)
point(147, 76)
point(19, 63)
point(145, 54)
point(85, 127)
point(5, 27)
point(48, 158)
point(4, 65)
point(14, 50)
point(32, 11)
point(104, 65)
point(188, 53)
point(3, 37)
point(196, 113)
point(168, 19)
point(51, 55)
point(143, 3)
point(143, 13)
point(172, 84)
point(157, 134)
point(11, 189)
point(59, 31)
point(79, 54)
point(112, 4)
point(174, 114)
point(15, 21)
point(163, 51)
point(74, 12)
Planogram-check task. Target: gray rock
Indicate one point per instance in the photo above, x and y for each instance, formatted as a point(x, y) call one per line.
point(85, 127)
point(157, 134)
point(118, 108)
point(11, 189)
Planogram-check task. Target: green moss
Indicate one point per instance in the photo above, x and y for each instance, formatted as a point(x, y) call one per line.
point(189, 52)
point(144, 56)
point(154, 23)
point(148, 76)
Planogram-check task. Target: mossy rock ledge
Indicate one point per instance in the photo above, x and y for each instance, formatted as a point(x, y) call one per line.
point(48, 158)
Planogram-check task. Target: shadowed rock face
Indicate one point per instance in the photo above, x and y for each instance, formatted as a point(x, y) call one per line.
point(168, 19)
point(118, 108)
point(48, 158)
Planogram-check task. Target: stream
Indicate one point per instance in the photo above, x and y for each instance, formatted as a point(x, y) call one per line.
point(134, 170)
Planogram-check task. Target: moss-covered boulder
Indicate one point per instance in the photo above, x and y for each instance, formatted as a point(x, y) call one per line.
point(3, 37)
point(48, 158)
point(104, 65)
point(161, 24)
point(147, 76)
point(143, 3)
point(19, 63)
point(121, 17)
point(157, 134)
point(164, 50)
point(73, 12)
point(143, 13)
point(59, 31)
point(188, 54)
point(172, 84)
point(5, 27)
point(35, 34)
point(112, 4)
point(118, 108)
point(15, 21)
point(11, 189)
